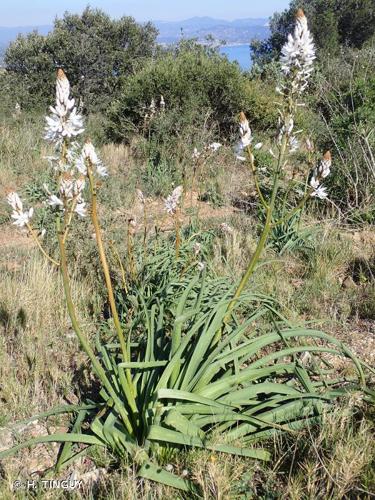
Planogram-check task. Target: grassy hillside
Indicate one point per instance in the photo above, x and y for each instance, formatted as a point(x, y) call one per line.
point(244, 294)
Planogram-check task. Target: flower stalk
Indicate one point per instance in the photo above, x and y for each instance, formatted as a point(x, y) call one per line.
point(297, 59)
point(81, 337)
point(104, 263)
point(40, 246)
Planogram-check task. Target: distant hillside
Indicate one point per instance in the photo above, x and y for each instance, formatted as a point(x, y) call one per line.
point(239, 31)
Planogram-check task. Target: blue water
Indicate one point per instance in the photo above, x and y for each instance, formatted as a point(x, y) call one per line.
point(239, 53)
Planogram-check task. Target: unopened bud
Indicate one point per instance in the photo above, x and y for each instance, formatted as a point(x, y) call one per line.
point(327, 156)
point(300, 13)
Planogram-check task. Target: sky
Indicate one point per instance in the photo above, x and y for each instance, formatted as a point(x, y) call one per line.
point(42, 12)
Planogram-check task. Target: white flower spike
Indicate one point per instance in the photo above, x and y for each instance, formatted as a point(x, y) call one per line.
point(64, 121)
point(171, 203)
point(298, 54)
point(321, 172)
point(246, 137)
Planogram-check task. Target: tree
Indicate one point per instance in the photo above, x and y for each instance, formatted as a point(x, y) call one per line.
point(30, 71)
point(357, 22)
point(333, 23)
point(93, 49)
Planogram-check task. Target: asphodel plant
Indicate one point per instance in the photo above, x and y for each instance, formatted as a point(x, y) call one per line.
point(297, 59)
point(192, 368)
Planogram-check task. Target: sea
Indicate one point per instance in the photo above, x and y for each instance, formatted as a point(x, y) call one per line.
point(238, 53)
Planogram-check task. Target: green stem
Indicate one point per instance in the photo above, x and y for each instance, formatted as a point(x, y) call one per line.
point(82, 339)
point(263, 238)
point(108, 281)
point(144, 232)
point(255, 175)
point(293, 212)
point(178, 236)
point(103, 260)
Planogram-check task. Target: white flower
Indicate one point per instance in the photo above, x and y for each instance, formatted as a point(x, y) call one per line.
point(80, 164)
point(78, 186)
point(171, 203)
point(62, 88)
point(245, 132)
point(162, 103)
point(246, 137)
point(259, 145)
point(89, 154)
point(81, 209)
point(152, 108)
point(314, 182)
point(226, 228)
point(324, 168)
point(62, 124)
point(320, 192)
point(196, 154)
point(201, 266)
point(214, 146)
point(67, 186)
point(54, 201)
point(321, 172)
point(298, 54)
point(22, 218)
point(101, 170)
point(293, 144)
point(15, 201)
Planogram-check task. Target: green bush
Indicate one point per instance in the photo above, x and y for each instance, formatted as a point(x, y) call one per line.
point(200, 87)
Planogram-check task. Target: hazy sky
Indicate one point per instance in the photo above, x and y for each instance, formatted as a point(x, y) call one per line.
point(39, 12)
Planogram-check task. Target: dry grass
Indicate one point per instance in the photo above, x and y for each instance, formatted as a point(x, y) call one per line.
point(39, 350)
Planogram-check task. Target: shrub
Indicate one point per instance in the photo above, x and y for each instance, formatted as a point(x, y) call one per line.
point(200, 87)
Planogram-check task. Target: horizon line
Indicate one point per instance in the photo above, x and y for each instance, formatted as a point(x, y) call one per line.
point(143, 21)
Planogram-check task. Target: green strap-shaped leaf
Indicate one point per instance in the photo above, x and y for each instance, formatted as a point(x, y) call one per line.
point(157, 433)
point(54, 438)
point(66, 451)
point(182, 424)
point(175, 394)
point(155, 473)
